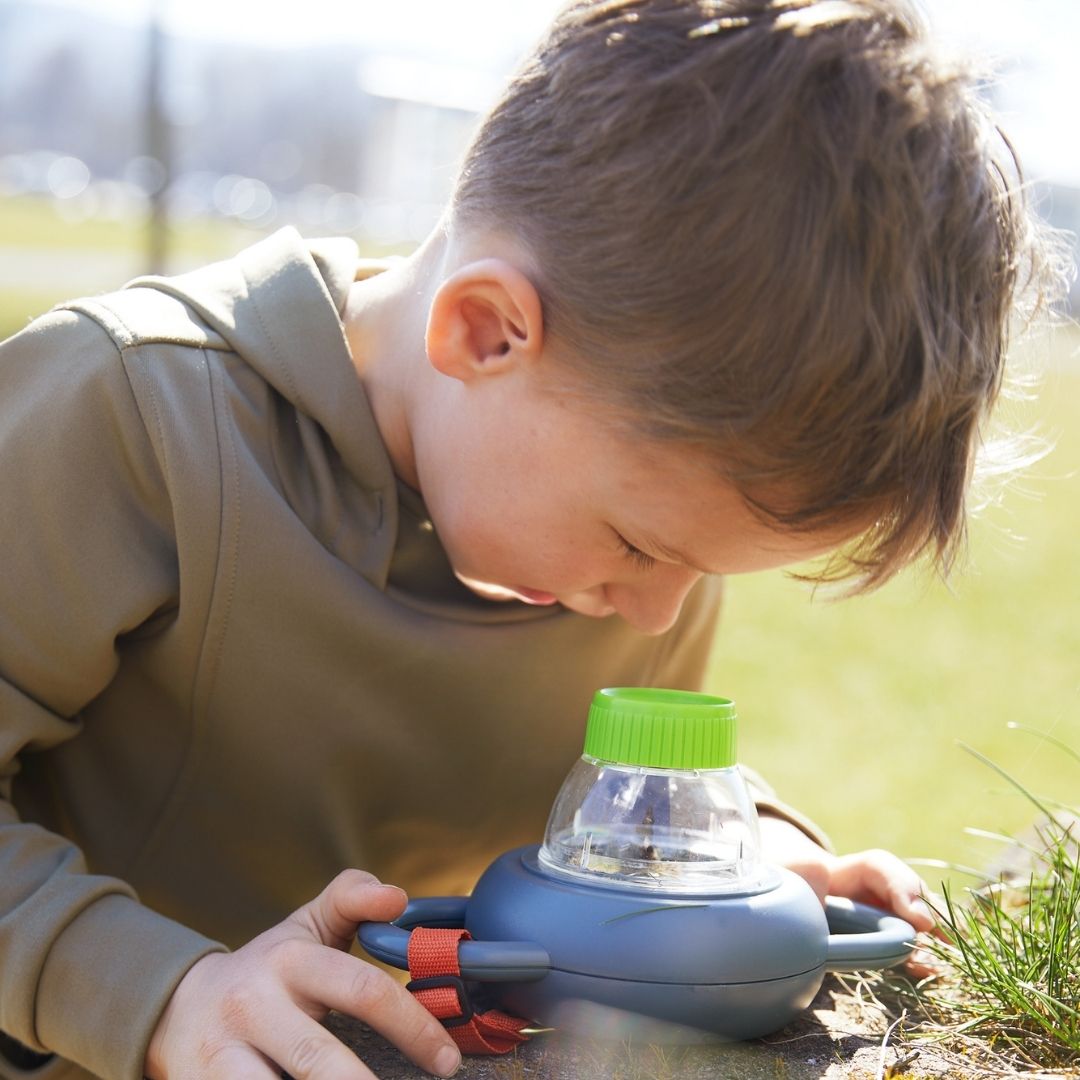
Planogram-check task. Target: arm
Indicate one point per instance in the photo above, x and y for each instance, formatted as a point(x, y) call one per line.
point(876, 877)
point(873, 877)
point(233, 1012)
point(87, 555)
point(870, 877)
point(86, 970)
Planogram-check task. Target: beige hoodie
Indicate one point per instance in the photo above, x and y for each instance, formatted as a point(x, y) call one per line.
point(233, 658)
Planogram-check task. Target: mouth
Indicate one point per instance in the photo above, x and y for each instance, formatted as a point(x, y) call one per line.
point(502, 592)
point(531, 596)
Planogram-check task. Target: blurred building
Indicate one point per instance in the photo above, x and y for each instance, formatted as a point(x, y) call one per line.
point(1059, 204)
point(333, 137)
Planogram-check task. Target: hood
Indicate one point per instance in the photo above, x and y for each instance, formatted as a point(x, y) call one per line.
point(278, 304)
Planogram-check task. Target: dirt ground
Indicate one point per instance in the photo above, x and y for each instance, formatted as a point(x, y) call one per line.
point(835, 1038)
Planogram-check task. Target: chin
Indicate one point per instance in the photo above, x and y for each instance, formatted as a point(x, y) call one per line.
point(592, 611)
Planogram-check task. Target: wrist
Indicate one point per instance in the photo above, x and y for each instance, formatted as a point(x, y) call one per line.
point(784, 843)
point(155, 1066)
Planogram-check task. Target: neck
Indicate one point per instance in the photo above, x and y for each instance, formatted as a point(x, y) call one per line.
point(385, 322)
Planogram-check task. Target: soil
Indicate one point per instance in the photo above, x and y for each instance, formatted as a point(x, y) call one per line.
point(836, 1038)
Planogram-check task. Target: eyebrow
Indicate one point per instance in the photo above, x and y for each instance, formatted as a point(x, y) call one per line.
point(651, 544)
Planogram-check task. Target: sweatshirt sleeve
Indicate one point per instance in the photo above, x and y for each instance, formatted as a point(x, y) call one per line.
point(89, 554)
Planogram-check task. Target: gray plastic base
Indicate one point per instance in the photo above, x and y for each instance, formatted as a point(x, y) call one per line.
point(659, 1012)
point(615, 962)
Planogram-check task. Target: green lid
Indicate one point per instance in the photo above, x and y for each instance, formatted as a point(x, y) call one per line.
point(662, 729)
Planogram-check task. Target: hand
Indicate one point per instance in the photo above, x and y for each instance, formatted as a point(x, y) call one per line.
point(249, 1014)
point(873, 877)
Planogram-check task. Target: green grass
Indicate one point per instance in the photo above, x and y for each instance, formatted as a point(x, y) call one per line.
point(19, 306)
point(1014, 956)
point(853, 708)
point(30, 223)
point(33, 222)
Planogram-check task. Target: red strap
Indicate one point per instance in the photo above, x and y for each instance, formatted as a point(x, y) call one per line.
point(433, 955)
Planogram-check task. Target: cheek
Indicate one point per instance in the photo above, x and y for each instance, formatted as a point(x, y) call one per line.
point(514, 537)
point(479, 542)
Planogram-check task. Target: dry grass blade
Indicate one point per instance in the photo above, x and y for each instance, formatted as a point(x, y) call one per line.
point(882, 1072)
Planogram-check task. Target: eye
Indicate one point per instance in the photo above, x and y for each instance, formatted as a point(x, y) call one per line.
point(636, 555)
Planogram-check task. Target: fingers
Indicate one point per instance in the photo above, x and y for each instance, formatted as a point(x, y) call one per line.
point(350, 986)
point(353, 897)
point(239, 1062)
point(919, 915)
point(320, 977)
point(331, 979)
point(874, 877)
point(307, 1051)
point(922, 964)
point(233, 1014)
point(273, 1008)
point(880, 878)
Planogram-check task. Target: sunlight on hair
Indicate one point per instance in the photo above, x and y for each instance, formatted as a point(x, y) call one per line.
point(802, 19)
point(717, 25)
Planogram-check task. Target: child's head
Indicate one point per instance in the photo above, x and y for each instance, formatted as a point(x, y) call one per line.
point(776, 232)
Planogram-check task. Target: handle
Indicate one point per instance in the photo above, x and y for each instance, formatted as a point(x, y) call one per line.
point(864, 937)
point(861, 937)
point(483, 961)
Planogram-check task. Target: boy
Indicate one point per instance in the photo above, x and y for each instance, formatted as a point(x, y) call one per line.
point(304, 544)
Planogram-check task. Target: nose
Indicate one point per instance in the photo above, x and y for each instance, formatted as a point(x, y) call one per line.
point(652, 602)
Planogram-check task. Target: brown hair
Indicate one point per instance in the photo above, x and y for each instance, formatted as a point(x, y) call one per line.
point(781, 232)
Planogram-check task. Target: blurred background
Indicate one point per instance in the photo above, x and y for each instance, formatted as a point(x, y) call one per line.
point(153, 135)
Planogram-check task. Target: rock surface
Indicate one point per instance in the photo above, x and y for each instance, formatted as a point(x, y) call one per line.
point(829, 1041)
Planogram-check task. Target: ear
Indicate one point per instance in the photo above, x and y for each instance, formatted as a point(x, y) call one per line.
point(485, 318)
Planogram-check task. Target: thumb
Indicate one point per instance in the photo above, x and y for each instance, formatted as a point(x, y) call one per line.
point(351, 898)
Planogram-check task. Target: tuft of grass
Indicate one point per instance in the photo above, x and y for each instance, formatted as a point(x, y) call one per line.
point(1013, 953)
point(1011, 947)
point(1006, 1000)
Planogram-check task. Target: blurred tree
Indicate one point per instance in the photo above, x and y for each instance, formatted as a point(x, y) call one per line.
point(157, 142)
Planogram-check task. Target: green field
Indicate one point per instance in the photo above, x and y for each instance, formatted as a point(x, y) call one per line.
point(29, 223)
point(32, 224)
point(854, 708)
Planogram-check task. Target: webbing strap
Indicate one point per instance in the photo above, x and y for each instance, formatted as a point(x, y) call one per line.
point(437, 985)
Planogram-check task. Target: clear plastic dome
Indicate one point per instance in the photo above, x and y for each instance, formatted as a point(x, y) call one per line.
point(677, 830)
